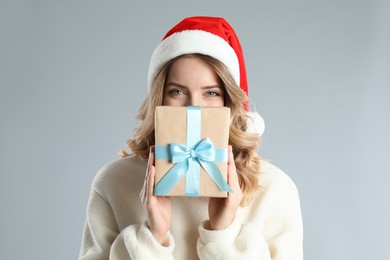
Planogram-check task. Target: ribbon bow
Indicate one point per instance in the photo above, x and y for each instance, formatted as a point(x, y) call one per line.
point(187, 163)
point(204, 151)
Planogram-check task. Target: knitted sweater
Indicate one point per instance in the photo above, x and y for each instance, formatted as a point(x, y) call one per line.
point(270, 227)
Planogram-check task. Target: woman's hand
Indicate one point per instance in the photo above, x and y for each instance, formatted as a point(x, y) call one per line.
point(158, 208)
point(222, 211)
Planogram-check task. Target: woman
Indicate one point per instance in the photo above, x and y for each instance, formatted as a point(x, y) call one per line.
point(199, 62)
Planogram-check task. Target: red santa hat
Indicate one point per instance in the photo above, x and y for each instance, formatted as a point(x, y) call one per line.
point(211, 36)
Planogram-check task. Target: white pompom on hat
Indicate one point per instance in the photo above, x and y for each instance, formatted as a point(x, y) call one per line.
point(211, 36)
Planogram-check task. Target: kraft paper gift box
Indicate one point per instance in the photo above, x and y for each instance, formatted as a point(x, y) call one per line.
point(191, 151)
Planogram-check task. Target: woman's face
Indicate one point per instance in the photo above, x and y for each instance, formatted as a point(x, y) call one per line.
point(192, 82)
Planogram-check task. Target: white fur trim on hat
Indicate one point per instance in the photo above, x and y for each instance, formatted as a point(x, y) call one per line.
point(193, 41)
point(255, 123)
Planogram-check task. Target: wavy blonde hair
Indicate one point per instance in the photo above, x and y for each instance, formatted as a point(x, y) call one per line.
point(244, 144)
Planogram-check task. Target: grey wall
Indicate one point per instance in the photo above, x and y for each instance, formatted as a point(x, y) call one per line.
point(73, 73)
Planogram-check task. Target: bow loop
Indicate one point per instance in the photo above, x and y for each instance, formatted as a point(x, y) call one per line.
point(205, 150)
point(179, 152)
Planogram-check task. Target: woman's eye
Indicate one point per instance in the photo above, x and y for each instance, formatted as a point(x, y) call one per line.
point(175, 92)
point(212, 93)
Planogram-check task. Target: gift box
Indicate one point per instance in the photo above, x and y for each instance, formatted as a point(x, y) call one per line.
point(191, 151)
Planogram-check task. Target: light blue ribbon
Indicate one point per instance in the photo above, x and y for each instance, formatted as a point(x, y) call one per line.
point(188, 159)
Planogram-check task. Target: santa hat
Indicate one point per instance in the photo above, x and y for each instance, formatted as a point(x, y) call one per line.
point(210, 36)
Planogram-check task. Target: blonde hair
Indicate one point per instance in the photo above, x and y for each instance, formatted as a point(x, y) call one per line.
point(244, 144)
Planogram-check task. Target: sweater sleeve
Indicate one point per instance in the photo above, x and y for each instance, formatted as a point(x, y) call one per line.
point(103, 240)
point(284, 229)
point(279, 239)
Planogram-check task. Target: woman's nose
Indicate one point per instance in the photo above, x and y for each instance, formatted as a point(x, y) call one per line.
point(194, 100)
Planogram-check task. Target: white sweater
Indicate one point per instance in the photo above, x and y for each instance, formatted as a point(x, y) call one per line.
point(270, 227)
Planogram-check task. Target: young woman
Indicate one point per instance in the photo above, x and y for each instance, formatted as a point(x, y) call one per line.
point(198, 63)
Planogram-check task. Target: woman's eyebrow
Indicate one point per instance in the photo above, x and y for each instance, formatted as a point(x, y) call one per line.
point(172, 83)
point(212, 86)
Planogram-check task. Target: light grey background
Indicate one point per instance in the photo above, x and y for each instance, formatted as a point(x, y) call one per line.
point(73, 73)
